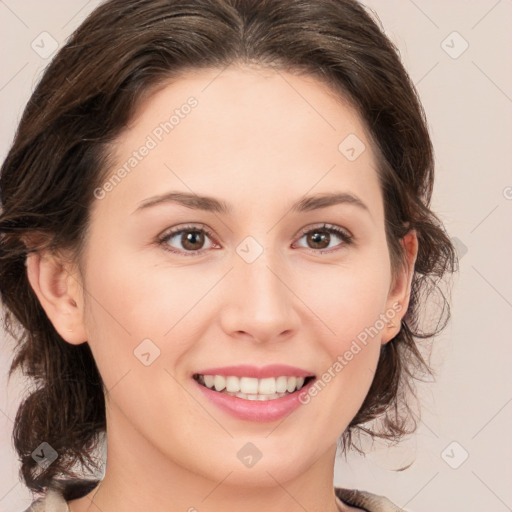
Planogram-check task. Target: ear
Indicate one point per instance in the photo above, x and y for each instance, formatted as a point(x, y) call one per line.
point(400, 289)
point(57, 285)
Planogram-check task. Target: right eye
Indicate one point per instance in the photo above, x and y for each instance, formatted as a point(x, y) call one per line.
point(190, 237)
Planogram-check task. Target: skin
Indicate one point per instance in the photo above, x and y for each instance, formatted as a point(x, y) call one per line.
point(260, 140)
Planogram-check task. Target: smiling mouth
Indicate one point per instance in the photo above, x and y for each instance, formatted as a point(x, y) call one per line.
point(250, 388)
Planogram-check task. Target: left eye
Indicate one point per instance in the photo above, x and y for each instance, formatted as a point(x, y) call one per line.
point(322, 234)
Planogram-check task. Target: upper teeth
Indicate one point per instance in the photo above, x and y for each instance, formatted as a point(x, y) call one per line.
point(250, 385)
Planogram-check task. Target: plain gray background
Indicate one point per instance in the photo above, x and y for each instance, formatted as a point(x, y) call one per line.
point(458, 54)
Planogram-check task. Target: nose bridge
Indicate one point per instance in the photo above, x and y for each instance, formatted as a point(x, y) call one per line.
point(261, 279)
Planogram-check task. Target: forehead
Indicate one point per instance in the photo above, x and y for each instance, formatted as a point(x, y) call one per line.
point(251, 132)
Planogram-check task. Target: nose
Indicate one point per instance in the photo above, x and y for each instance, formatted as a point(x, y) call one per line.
point(258, 303)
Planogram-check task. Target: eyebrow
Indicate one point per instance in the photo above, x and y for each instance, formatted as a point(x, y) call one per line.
point(211, 204)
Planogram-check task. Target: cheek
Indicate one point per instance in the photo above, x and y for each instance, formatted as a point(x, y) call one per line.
point(349, 299)
point(351, 302)
point(136, 298)
point(131, 301)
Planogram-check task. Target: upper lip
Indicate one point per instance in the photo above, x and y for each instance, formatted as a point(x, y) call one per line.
point(272, 370)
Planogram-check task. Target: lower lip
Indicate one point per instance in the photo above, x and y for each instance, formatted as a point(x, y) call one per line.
point(259, 411)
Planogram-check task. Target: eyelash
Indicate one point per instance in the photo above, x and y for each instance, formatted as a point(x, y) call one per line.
point(329, 228)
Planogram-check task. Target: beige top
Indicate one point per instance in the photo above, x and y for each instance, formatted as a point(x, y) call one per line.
point(53, 501)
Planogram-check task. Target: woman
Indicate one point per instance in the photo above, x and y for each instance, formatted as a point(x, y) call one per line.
point(216, 236)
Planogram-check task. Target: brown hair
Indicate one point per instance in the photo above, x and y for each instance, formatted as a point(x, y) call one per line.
point(86, 97)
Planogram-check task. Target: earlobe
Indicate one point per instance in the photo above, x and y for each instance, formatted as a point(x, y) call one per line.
point(400, 292)
point(59, 293)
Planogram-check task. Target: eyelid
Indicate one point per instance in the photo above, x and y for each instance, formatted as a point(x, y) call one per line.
point(327, 227)
point(186, 227)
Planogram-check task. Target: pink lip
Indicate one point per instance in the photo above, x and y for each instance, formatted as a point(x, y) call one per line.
point(255, 410)
point(273, 370)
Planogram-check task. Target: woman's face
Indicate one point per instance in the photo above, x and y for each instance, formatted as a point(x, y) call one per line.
point(259, 286)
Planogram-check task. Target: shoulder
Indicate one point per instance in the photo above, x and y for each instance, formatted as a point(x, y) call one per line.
point(366, 500)
point(55, 498)
point(52, 501)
